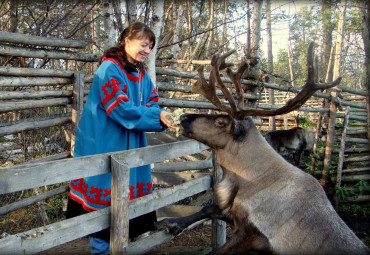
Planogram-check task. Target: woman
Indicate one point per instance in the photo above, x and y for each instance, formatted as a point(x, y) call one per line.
point(120, 108)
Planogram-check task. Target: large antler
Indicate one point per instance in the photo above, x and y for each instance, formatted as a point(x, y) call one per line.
point(208, 90)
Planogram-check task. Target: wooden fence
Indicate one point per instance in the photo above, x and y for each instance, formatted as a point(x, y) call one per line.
point(23, 177)
point(26, 89)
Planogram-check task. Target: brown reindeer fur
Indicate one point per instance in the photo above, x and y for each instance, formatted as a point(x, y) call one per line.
point(296, 139)
point(275, 207)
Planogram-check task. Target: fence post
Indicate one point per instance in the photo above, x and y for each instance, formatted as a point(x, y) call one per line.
point(325, 179)
point(120, 196)
point(218, 226)
point(77, 104)
point(341, 157)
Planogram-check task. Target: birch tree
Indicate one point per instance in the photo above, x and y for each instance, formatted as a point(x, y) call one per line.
point(111, 35)
point(157, 20)
point(178, 12)
point(131, 12)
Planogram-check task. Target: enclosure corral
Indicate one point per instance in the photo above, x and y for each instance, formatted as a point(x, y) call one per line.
point(39, 111)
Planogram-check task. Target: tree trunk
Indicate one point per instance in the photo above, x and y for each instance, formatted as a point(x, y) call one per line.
point(201, 39)
point(131, 11)
point(224, 27)
point(13, 16)
point(118, 7)
point(325, 179)
point(366, 39)
point(109, 25)
point(178, 13)
point(270, 60)
point(157, 20)
point(327, 38)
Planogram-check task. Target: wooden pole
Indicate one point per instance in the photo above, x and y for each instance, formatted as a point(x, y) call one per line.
point(77, 105)
point(218, 226)
point(325, 179)
point(341, 157)
point(119, 231)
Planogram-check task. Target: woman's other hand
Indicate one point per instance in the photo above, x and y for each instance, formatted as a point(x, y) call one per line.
point(168, 119)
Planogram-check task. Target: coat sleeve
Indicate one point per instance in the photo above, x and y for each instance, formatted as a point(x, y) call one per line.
point(115, 99)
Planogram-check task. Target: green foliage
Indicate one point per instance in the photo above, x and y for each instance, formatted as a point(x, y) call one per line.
point(305, 122)
point(343, 193)
point(362, 187)
point(356, 210)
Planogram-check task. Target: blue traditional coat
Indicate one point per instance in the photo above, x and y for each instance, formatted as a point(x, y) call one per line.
point(120, 108)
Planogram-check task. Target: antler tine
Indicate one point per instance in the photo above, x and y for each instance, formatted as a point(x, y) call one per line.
point(307, 91)
point(236, 80)
point(208, 90)
point(218, 62)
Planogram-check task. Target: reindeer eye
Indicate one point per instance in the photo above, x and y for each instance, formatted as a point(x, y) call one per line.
point(220, 122)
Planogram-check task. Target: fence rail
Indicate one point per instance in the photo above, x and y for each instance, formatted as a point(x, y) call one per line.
point(38, 174)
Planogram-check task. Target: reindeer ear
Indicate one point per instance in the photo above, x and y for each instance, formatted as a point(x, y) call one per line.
point(239, 130)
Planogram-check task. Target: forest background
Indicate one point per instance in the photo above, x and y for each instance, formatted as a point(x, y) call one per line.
point(194, 30)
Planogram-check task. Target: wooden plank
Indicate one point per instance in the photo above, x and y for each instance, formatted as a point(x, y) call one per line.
point(158, 153)
point(145, 244)
point(119, 207)
point(172, 178)
point(18, 178)
point(163, 197)
point(31, 200)
point(182, 166)
point(43, 238)
point(176, 211)
point(40, 40)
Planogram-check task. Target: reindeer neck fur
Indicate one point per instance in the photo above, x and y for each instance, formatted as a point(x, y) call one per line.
point(246, 155)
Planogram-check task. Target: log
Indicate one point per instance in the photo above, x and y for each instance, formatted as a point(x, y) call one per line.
point(31, 125)
point(31, 104)
point(356, 178)
point(357, 159)
point(18, 71)
point(47, 54)
point(32, 81)
point(365, 198)
point(171, 72)
point(11, 95)
point(40, 40)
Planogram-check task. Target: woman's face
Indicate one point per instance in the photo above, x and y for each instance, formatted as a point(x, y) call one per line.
point(137, 49)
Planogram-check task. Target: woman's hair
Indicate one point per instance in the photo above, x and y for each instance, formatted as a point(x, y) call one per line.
point(137, 30)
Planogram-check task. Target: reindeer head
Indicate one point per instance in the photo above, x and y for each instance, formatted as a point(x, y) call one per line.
point(218, 130)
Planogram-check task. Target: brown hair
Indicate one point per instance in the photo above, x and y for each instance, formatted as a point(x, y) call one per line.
point(137, 30)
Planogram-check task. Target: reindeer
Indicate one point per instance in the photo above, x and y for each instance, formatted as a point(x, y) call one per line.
point(296, 139)
point(275, 208)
